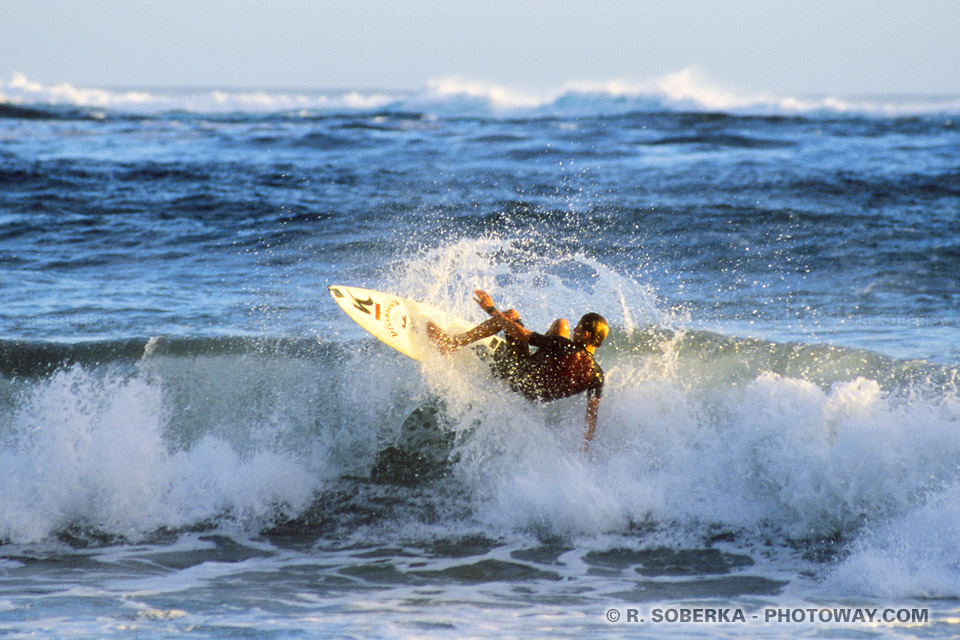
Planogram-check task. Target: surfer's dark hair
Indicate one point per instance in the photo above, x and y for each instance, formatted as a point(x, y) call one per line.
point(596, 325)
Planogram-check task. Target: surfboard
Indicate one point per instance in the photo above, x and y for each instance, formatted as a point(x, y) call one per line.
point(400, 323)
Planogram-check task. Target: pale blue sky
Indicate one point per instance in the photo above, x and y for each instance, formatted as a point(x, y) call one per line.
point(844, 47)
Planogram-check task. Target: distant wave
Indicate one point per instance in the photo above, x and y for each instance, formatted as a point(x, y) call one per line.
point(685, 90)
point(20, 91)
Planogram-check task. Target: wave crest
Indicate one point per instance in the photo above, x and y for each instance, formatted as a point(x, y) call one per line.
point(685, 90)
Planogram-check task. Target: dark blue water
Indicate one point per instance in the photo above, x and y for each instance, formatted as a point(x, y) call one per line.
point(842, 227)
point(188, 419)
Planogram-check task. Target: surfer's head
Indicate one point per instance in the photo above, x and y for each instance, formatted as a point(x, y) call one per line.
point(592, 329)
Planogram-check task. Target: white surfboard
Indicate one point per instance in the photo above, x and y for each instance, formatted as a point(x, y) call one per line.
point(398, 322)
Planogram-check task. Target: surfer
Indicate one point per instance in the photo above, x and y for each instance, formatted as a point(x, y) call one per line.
point(562, 365)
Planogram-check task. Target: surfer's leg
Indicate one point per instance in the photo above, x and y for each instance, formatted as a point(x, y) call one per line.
point(560, 327)
point(448, 344)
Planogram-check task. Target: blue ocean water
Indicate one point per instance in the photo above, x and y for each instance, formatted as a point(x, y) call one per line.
point(189, 424)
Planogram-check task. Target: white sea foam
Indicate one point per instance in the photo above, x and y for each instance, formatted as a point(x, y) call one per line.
point(90, 451)
point(915, 555)
point(678, 438)
point(542, 287)
point(685, 90)
point(781, 454)
point(20, 90)
point(680, 442)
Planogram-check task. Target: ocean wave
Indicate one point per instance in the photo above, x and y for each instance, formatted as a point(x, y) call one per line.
point(89, 452)
point(913, 555)
point(19, 92)
point(684, 91)
point(699, 432)
point(697, 429)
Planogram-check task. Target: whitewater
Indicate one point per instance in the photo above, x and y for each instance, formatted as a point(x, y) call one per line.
point(190, 427)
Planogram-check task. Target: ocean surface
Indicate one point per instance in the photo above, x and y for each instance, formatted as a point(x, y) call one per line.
point(189, 426)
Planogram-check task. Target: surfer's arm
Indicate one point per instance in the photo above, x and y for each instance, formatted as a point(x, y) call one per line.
point(590, 422)
point(509, 327)
point(449, 344)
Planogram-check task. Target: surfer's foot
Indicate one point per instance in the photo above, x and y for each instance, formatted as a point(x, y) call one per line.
point(440, 338)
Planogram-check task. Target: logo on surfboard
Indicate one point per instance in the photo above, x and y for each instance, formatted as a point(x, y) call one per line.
point(392, 316)
point(388, 321)
point(362, 305)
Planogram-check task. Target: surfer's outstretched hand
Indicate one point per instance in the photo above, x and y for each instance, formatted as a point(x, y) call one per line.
point(483, 299)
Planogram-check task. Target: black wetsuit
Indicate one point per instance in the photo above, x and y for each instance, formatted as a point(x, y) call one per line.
point(509, 356)
point(558, 369)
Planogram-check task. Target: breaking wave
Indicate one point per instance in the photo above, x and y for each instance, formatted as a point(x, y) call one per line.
point(701, 434)
point(685, 90)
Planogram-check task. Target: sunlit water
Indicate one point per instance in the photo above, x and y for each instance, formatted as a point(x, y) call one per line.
point(190, 424)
